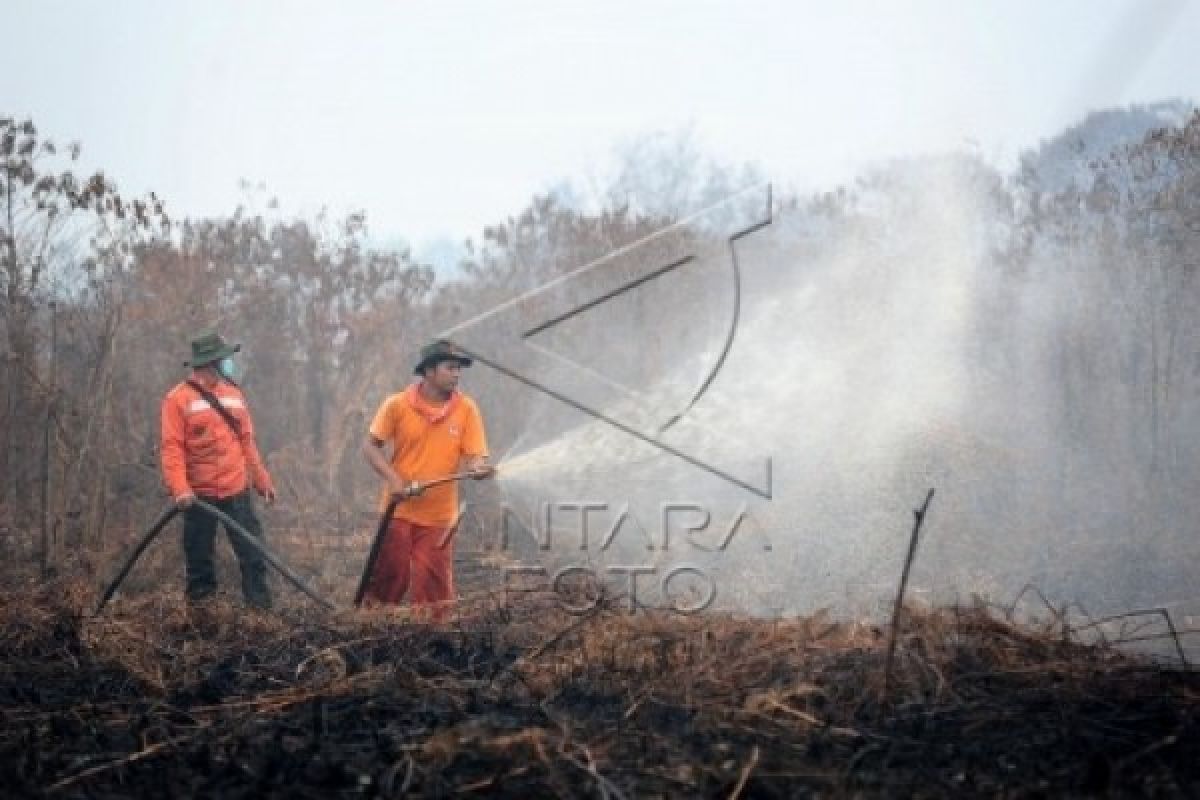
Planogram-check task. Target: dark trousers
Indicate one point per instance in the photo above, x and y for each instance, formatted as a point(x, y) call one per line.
point(199, 533)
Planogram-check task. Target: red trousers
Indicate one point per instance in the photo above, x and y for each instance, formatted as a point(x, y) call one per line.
point(417, 560)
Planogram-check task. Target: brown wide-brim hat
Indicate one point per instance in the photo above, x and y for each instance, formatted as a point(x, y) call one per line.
point(208, 347)
point(437, 352)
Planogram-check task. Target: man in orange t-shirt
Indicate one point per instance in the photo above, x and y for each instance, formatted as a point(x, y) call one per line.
point(434, 430)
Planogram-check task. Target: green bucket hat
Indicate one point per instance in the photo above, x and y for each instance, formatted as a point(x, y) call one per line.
point(436, 352)
point(208, 347)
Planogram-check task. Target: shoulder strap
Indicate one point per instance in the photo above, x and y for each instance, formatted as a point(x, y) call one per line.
point(229, 418)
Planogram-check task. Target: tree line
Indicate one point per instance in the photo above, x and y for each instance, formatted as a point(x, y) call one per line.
point(102, 291)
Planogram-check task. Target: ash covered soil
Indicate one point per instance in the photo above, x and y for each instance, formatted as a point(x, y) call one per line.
point(517, 698)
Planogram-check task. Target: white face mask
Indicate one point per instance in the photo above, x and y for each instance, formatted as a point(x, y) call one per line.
point(226, 367)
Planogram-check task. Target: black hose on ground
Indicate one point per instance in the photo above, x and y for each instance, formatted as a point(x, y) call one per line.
point(155, 529)
point(230, 525)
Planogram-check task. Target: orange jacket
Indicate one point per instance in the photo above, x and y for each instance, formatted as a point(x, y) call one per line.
point(200, 452)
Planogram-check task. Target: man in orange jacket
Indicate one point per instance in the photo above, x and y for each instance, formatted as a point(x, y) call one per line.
point(434, 430)
point(208, 451)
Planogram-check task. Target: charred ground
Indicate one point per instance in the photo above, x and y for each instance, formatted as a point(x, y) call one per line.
point(516, 698)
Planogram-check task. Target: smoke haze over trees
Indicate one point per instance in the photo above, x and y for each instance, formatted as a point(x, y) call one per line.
point(1082, 318)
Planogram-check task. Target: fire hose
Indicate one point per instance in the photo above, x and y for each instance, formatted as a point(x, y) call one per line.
point(412, 490)
point(231, 525)
point(234, 528)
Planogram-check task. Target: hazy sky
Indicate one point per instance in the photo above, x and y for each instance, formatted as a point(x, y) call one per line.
point(440, 118)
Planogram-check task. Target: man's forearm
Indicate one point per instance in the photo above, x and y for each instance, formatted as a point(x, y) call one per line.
point(379, 463)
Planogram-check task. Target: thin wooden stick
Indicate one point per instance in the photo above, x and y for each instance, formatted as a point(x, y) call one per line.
point(744, 777)
point(107, 765)
point(918, 518)
point(1161, 611)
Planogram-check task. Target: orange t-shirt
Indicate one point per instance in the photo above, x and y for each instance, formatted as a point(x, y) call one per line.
point(429, 442)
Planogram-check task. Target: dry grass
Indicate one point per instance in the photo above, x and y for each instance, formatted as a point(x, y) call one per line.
point(518, 698)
